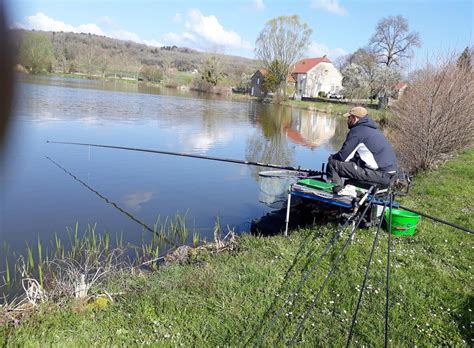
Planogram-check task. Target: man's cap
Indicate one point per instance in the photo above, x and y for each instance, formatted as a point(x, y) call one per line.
point(357, 111)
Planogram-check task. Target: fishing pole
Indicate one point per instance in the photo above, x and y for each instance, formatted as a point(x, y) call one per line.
point(439, 220)
point(230, 160)
point(387, 279)
point(315, 299)
point(305, 277)
point(364, 282)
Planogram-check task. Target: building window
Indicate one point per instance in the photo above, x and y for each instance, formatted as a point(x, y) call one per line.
point(258, 80)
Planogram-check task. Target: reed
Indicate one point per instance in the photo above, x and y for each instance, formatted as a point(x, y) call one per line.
point(90, 252)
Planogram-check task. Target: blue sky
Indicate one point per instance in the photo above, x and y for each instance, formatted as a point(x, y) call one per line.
point(231, 27)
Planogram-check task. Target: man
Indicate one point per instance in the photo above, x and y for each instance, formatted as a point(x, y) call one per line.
point(366, 154)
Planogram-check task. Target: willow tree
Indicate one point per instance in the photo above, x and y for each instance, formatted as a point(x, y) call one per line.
point(36, 52)
point(284, 40)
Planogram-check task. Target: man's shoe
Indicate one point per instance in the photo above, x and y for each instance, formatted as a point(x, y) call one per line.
point(336, 189)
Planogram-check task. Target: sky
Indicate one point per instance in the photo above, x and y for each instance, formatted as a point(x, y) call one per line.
point(339, 27)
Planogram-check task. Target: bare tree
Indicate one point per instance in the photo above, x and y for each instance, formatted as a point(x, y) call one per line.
point(283, 39)
point(392, 41)
point(433, 119)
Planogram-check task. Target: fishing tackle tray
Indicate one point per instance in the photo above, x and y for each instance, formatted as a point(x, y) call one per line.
point(322, 196)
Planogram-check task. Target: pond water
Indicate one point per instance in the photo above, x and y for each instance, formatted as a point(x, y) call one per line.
point(47, 187)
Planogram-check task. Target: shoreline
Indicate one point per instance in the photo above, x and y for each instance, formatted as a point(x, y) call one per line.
point(215, 298)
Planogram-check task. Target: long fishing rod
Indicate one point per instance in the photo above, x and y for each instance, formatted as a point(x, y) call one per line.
point(315, 299)
point(439, 220)
point(387, 280)
point(230, 160)
point(305, 278)
point(364, 282)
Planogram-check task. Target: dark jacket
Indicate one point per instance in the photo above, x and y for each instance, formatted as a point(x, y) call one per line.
point(366, 143)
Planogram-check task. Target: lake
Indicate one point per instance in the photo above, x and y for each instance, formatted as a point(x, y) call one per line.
point(46, 188)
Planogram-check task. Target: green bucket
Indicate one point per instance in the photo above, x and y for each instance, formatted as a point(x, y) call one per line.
point(403, 222)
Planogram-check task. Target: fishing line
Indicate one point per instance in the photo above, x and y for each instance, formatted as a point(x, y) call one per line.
point(354, 317)
point(126, 213)
point(312, 172)
point(328, 276)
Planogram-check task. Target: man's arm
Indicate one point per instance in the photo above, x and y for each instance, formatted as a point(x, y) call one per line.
point(349, 147)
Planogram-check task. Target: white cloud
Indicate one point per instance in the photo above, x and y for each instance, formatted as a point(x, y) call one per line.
point(318, 50)
point(135, 200)
point(259, 4)
point(177, 18)
point(332, 6)
point(40, 21)
point(205, 32)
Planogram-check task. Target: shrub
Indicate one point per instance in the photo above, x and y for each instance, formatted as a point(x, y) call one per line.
point(322, 94)
point(434, 118)
point(151, 73)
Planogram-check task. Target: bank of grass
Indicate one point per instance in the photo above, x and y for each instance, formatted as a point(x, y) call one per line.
point(339, 108)
point(231, 298)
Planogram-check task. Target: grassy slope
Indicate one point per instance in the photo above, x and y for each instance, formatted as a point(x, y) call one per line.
point(226, 299)
point(338, 108)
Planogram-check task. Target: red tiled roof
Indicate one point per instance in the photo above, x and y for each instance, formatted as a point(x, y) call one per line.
point(400, 85)
point(305, 65)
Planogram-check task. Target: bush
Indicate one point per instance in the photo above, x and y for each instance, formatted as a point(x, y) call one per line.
point(322, 94)
point(434, 118)
point(151, 73)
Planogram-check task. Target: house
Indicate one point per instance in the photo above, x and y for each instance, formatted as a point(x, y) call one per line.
point(256, 82)
point(314, 75)
point(257, 79)
point(398, 90)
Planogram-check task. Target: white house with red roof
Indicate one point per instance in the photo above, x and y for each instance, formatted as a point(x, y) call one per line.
point(314, 75)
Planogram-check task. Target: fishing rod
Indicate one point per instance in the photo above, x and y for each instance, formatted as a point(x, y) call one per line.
point(439, 220)
point(362, 289)
point(230, 160)
point(335, 263)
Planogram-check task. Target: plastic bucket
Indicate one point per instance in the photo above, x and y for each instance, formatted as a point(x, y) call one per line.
point(403, 222)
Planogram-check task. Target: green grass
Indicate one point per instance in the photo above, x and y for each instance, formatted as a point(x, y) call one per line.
point(230, 298)
point(338, 108)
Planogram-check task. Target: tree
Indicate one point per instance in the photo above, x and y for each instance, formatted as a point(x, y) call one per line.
point(434, 120)
point(272, 80)
point(283, 39)
point(212, 71)
point(36, 52)
point(392, 42)
point(354, 82)
point(367, 62)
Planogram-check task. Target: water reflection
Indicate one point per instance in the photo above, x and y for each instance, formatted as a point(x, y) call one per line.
point(135, 200)
point(310, 129)
point(145, 185)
